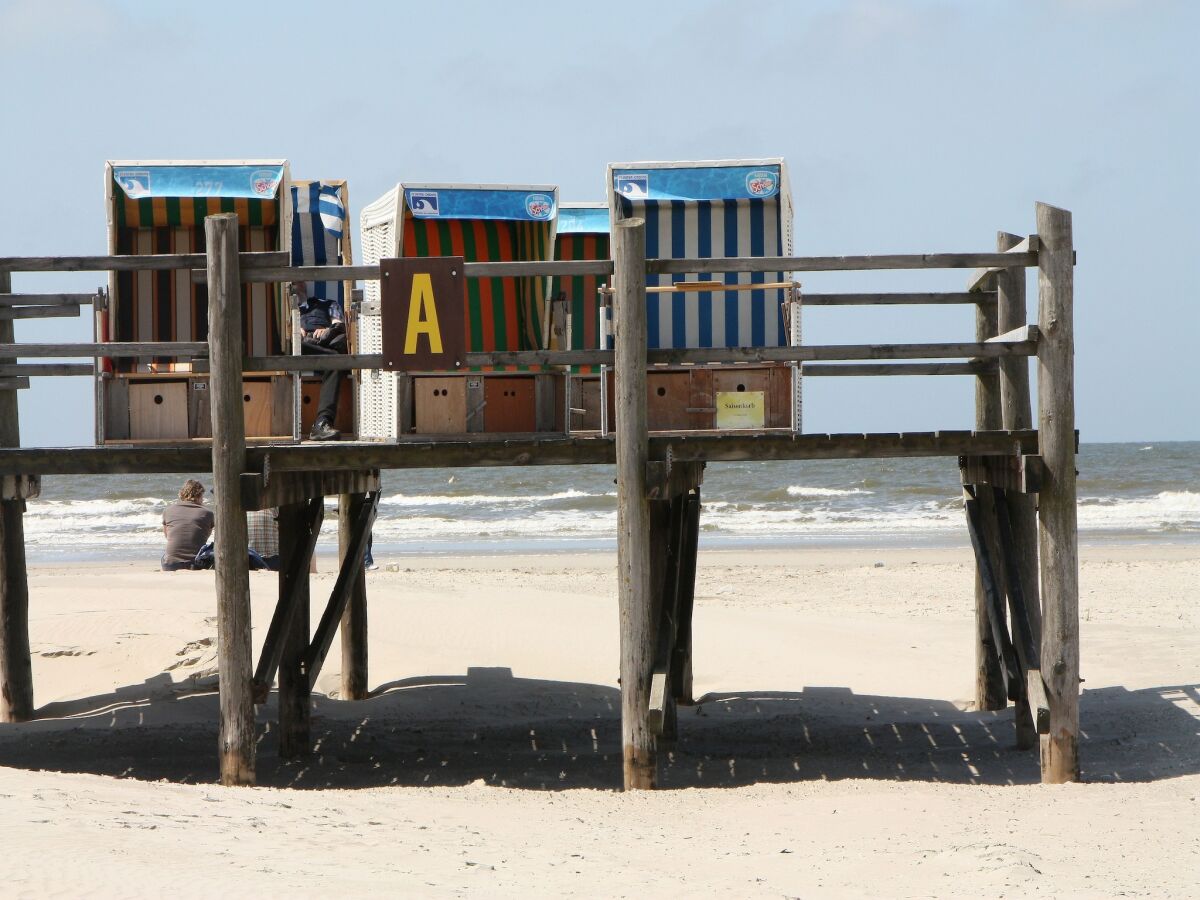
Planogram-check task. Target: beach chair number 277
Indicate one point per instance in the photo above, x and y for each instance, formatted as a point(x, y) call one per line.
point(421, 314)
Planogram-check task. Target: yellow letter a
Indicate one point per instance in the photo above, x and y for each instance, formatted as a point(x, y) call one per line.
point(422, 315)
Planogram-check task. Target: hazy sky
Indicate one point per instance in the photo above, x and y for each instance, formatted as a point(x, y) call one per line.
point(907, 127)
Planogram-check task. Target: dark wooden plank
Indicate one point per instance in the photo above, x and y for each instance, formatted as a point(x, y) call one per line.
point(133, 263)
point(47, 369)
point(13, 383)
point(39, 312)
point(348, 573)
point(234, 656)
point(859, 370)
point(299, 527)
point(113, 349)
point(45, 299)
point(996, 642)
point(279, 488)
point(354, 616)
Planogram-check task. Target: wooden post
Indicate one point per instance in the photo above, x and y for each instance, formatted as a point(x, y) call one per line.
point(16, 671)
point(1017, 413)
point(354, 617)
point(681, 664)
point(1058, 527)
point(234, 661)
point(633, 508)
point(990, 691)
point(295, 696)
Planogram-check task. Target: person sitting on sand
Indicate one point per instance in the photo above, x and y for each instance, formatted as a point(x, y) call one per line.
point(187, 525)
point(262, 533)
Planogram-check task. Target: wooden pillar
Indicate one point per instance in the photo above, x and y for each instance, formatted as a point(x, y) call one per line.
point(16, 671)
point(1017, 413)
point(234, 662)
point(295, 695)
point(1058, 532)
point(354, 617)
point(633, 508)
point(681, 664)
point(990, 691)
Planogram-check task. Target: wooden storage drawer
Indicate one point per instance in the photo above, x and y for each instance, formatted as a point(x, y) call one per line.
point(310, 399)
point(158, 410)
point(509, 404)
point(440, 404)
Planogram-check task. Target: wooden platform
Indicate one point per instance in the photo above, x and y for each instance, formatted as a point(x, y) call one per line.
point(503, 450)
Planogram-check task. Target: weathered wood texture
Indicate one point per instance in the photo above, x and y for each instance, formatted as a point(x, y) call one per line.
point(16, 672)
point(298, 527)
point(262, 492)
point(1022, 508)
point(489, 450)
point(859, 370)
point(156, 263)
point(20, 487)
point(16, 383)
point(39, 312)
point(113, 349)
point(237, 740)
point(19, 370)
point(7, 299)
point(901, 298)
point(354, 616)
point(634, 587)
point(839, 263)
point(990, 688)
point(1058, 534)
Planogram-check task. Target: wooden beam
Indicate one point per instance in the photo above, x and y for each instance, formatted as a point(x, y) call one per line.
point(16, 669)
point(323, 363)
point(498, 450)
point(281, 488)
point(17, 370)
point(1017, 473)
point(132, 263)
point(45, 299)
point(348, 573)
point(39, 312)
point(354, 616)
point(299, 527)
point(943, 298)
point(1058, 535)
point(561, 268)
point(234, 658)
point(1019, 335)
point(865, 262)
point(634, 582)
point(16, 383)
point(819, 370)
point(667, 479)
point(681, 662)
point(112, 349)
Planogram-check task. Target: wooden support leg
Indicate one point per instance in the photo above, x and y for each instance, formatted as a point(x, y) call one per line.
point(298, 527)
point(998, 642)
point(354, 618)
point(681, 662)
point(234, 654)
point(664, 572)
point(1057, 515)
point(991, 689)
point(16, 671)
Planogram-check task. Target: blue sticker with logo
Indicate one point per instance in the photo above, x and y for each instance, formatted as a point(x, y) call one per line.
point(583, 220)
point(253, 182)
point(481, 203)
point(698, 183)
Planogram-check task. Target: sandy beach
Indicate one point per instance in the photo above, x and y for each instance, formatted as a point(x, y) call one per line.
point(834, 751)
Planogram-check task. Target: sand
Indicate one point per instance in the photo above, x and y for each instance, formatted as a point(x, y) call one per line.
point(834, 751)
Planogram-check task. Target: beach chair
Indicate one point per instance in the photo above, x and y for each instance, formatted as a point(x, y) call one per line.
point(159, 207)
point(712, 210)
point(481, 223)
point(321, 237)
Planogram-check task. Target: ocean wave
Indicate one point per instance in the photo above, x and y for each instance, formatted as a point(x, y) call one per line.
point(797, 490)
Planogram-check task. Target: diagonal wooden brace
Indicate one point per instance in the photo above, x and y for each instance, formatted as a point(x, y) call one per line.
point(348, 575)
point(285, 610)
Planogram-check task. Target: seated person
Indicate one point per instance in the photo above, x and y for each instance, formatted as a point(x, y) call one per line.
point(187, 525)
point(262, 532)
point(322, 330)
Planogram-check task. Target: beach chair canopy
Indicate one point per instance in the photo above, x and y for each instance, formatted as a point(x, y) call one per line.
point(583, 230)
point(710, 210)
point(481, 223)
point(159, 207)
point(321, 232)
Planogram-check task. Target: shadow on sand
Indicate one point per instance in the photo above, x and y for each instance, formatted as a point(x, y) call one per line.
point(534, 734)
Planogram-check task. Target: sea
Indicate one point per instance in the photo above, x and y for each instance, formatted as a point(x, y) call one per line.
point(1130, 492)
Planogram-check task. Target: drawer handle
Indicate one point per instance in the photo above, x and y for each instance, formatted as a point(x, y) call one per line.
point(700, 409)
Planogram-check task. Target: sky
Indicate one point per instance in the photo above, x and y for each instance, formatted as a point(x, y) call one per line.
point(907, 127)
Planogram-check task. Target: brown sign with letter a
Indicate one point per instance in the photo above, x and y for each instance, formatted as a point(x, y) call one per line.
point(423, 314)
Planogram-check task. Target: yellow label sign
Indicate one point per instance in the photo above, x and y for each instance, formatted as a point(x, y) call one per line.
point(741, 409)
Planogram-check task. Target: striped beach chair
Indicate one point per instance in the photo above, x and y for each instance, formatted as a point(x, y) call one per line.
point(481, 223)
point(583, 231)
point(710, 210)
point(156, 208)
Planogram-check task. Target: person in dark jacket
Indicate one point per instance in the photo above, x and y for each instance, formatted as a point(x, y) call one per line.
point(187, 525)
point(322, 331)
